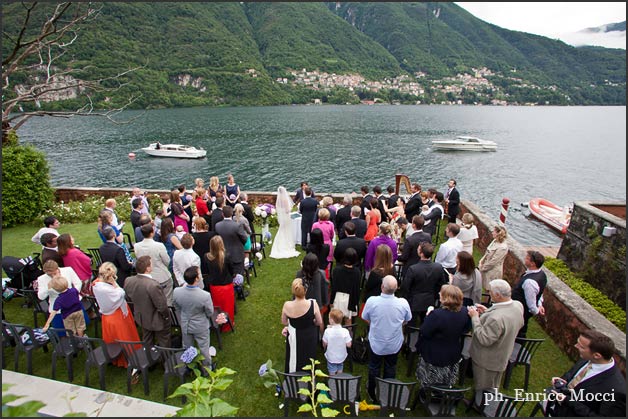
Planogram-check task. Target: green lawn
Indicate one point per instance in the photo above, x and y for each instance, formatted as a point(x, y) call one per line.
point(256, 339)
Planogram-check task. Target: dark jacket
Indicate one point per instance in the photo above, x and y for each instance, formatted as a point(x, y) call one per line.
point(349, 242)
point(442, 334)
point(410, 255)
point(422, 283)
point(342, 216)
point(346, 280)
point(112, 252)
point(360, 228)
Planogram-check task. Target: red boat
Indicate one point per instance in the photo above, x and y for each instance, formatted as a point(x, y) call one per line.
point(553, 215)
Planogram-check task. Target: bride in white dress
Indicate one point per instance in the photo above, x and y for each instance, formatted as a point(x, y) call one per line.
point(283, 245)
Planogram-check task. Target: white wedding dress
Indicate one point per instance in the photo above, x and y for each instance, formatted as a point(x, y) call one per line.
point(283, 245)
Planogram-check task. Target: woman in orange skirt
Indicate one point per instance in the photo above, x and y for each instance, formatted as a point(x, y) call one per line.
point(117, 319)
point(219, 280)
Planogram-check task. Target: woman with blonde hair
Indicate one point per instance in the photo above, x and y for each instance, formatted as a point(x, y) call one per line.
point(328, 230)
point(214, 187)
point(116, 318)
point(440, 339)
point(468, 232)
point(303, 323)
point(492, 263)
point(219, 280)
point(241, 219)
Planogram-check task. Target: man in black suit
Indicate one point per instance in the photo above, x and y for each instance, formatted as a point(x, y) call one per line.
point(299, 194)
point(360, 224)
point(138, 205)
point(49, 250)
point(594, 386)
point(430, 196)
point(452, 199)
point(307, 208)
point(414, 204)
point(422, 283)
point(343, 215)
point(392, 196)
point(248, 211)
point(433, 217)
point(410, 254)
point(349, 241)
point(366, 201)
point(234, 237)
point(217, 214)
point(377, 191)
point(110, 251)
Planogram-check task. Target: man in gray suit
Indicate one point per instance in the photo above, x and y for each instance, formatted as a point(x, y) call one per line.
point(195, 307)
point(234, 237)
point(159, 257)
point(494, 333)
point(150, 307)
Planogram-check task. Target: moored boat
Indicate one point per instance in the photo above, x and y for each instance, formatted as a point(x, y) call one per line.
point(551, 214)
point(465, 143)
point(174, 150)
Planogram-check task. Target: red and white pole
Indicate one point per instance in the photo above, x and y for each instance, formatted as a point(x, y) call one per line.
point(502, 215)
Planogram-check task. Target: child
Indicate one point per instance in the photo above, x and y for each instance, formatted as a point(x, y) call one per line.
point(180, 232)
point(69, 304)
point(336, 340)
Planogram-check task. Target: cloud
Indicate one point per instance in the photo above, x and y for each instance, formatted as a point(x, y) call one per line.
point(615, 39)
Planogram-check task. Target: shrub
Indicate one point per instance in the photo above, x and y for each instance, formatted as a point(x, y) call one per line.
point(26, 190)
point(590, 294)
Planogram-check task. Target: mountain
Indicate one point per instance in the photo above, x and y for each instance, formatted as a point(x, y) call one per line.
point(267, 53)
point(612, 35)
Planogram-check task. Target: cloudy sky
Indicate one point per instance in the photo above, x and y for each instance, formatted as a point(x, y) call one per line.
point(556, 20)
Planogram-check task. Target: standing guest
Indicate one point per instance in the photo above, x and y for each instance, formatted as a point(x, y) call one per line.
point(51, 270)
point(336, 340)
point(441, 338)
point(491, 265)
point(201, 205)
point(327, 203)
point(232, 191)
point(217, 213)
point(104, 221)
point(299, 194)
point(316, 286)
point(382, 267)
point(396, 211)
point(307, 208)
point(433, 214)
point(494, 333)
point(303, 323)
point(137, 193)
point(343, 215)
point(431, 193)
point(242, 220)
point(529, 289)
point(452, 200)
point(196, 308)
point(159, 257)
point(422, 283)
point(51, 224)
point(365, 205)
point(392, 196)
point(202, 236)
point(327, 228)
point(50, 250)
point(117, 320)
point(68, 303)
point(448, 251)
point(181, 218)
point(184, 258)
point(77, 260)
point(214, 188)
point(345, 286)
point(410, 255)
point(386, 315)
point(360, 224)
point(383, 238)
point(186, 202)
point(159, 216)
point(234, 237)
point(110, 251)
point(350, 241)
point(165, 206)
point(468, 232)
point(137, 206)
point(319, 248)
point(413, 206)
point(381, 202)
point(149, 304)
point(248, 211)
point(590, 382)
point(468, 278)
point(219, 280)
point(425, 198)
point(169, 239)
point(372, 219)
point(144, 219)
point(400, 230)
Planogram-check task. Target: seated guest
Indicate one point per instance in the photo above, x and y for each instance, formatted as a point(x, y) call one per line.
point(110, 251)
point(383, 237)
point(51, 225)
point(440, 340)
point(77, 260)
point(50, 250)
point(202, 236)
point(184, 258)
point(219, 281)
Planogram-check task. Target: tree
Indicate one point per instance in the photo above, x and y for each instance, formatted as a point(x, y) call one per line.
point(32, 70)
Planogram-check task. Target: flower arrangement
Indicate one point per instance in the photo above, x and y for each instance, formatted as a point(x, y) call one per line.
point(266, 214)
point(199, 392)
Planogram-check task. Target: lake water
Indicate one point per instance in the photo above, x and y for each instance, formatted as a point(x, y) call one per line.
point(563, 154)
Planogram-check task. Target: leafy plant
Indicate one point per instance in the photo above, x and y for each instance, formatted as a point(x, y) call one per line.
point(31, 408)
point(317, 394)
point(270, 377)
point(199, 392)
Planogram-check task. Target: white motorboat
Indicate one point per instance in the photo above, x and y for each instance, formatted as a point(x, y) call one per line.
point(174, 150)
point(465, 143)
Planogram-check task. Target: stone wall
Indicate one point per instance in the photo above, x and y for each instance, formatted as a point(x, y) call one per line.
point(599, 260)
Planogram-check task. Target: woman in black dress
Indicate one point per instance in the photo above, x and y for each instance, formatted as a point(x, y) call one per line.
point(303, 324)
point(345, 285)
point(318, 246)
point(316, 286)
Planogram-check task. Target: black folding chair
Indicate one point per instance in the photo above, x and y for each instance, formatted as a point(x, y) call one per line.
point(441, 400)
point(98, 354)
point(63, 345)
point(173, 366)
point(26, 341)
point(345, 389)
point(522, 354)
point(38, 306)
point(393, 394)
point(140, 356)
point(290, 386)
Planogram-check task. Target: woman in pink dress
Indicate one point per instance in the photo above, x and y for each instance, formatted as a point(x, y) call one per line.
point(180, 217)
point(77, 260)
point(327, 227)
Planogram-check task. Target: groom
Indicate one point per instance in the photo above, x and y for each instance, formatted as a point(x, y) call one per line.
point(307, 208)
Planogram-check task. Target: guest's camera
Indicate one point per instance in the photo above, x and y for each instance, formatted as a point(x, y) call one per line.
point(560, 386)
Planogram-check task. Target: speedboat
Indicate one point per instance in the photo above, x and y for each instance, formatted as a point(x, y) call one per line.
point(174, 150)
point(465, 143)
point(551, 214)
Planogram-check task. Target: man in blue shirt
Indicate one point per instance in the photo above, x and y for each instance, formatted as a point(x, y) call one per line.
point(386, 315)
